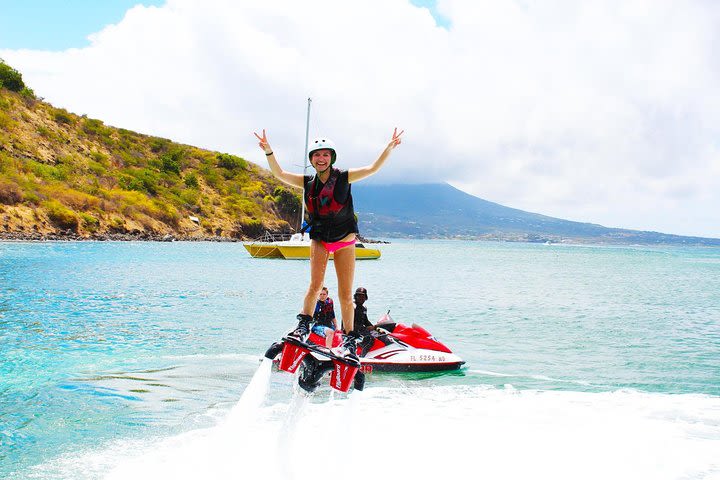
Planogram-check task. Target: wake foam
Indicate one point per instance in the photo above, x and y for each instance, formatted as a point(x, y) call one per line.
point(446, 432)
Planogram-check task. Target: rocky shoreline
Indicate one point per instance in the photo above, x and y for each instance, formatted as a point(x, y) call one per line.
point(109, 237)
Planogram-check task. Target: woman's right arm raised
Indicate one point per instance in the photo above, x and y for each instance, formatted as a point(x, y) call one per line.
point(292, 179)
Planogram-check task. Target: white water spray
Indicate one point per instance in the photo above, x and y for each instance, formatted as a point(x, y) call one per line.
point(289, 450)
point(252, 398)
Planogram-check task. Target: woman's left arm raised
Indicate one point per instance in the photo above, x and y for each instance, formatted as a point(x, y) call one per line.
point(357, 174)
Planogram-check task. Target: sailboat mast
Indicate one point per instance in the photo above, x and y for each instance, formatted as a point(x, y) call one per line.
point(305, 158)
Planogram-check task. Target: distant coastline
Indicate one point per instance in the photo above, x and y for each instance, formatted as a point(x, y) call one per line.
point(150, 237)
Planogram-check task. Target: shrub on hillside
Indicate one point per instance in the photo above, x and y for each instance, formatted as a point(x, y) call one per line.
point(51, 135)
point(191, 180)
point(72, 198)
point(92, 126)
point(7, 163)
point(117, 225)
point(44, 132)
point(253, 189)
point(28, 96)
point(190, 198)
point(97, 128)
point(212, 178)
point(99, 157)
point(97, 168)
point(230, 162)
point(4, 140)
point(129, 141)
point(171, 161)
point(10, 78)
point(62, 116)
point(170, 165)
point(241, 206)
point(168, 214)
point(48, 172)
point(286, 202)
point(6, 121)
point(89, 222)
point(10, 192)
point(61, 216)
point(248, 227)
point(34, 198)
point(158, 144)
point(140, 181)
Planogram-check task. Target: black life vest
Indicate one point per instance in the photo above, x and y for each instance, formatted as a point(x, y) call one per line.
point(360, 319)
point(330, 207)
point(324, 313)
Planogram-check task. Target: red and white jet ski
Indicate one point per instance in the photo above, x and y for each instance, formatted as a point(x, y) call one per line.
point(400, 348)
point(392, 347)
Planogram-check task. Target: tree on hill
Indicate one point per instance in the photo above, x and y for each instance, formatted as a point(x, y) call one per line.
point(10, 78)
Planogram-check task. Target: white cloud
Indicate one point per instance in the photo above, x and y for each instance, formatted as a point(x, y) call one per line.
point(602, 111)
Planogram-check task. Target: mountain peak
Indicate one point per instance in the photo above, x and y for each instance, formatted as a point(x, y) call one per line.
point(439, 210)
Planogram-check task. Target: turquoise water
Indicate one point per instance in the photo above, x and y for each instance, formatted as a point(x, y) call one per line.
point(107, 346)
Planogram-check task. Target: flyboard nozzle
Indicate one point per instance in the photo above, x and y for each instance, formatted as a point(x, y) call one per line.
point(274, 350)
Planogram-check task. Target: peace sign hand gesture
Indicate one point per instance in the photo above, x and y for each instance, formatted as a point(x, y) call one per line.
point(396, 140)
point(264, 142)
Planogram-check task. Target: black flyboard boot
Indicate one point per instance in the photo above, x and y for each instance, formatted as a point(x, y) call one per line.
point(349, 346)
point(303, 327)
point(366, 342)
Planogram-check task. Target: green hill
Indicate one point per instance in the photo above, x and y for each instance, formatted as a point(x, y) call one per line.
point(66, 175)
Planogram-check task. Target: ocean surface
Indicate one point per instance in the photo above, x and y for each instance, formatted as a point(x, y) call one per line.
point(130, 360)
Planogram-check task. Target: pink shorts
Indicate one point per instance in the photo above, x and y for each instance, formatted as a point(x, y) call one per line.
point(333, 247)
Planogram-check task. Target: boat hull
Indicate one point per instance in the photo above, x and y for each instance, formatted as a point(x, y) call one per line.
point(260, 250)
point(302, 252)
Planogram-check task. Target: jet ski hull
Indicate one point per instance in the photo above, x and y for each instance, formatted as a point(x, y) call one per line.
point(391, 359)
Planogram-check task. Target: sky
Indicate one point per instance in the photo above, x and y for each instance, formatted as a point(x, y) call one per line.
point(602, 111)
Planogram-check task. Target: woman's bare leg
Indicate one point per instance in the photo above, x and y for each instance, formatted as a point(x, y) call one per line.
point(345, 270)
point(318, 264)
point(329, 332)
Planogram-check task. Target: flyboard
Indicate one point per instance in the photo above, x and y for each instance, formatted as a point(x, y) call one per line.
point(314, 361)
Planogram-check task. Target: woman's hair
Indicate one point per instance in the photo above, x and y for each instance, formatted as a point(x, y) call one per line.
point(324, 289)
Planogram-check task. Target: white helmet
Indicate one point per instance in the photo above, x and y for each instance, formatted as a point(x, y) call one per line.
point(322, 143)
